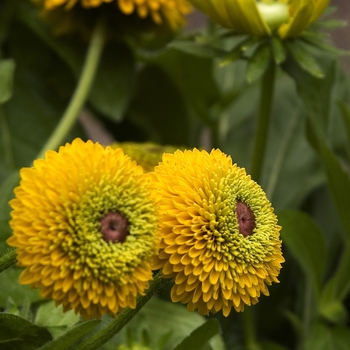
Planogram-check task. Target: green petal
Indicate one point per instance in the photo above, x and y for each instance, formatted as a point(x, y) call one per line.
point(300, 20)
point(246, 17)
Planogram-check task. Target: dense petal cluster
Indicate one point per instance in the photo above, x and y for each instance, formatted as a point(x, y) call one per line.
point(220, 238)
point(260, 18)
point(85, 228)
point(171, 12)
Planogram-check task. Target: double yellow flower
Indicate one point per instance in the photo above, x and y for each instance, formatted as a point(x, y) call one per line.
point(288, 18)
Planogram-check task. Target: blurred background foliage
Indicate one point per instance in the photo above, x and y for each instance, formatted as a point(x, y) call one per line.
point(169, 95)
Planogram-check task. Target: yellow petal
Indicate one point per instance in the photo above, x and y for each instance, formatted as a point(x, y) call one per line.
point(300, 20)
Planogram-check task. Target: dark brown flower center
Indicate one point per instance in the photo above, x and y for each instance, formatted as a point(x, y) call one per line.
point(114, 227)
point(246, 219)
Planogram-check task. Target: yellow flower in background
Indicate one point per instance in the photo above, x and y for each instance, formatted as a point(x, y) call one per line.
point(170, 12)
point(260, 18)
point(220, 239)
point(147, 154)
point(85, 228)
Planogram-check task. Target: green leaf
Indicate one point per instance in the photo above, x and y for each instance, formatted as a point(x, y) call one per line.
point(237, 51)
point(193, 77)
point(258, 63)
point(58, 322)
point(278, 50)
point(320, 42)
point(200, 50)
point(305, 241)
point(315, 93)
point(323, 337)
point(337, 178)
point(304, 58)
point(7, 70)
point(71, 336)
point(345, 109)
point(337, 289)
point(268, 345)
point(16, 333)
point(112, 88)
point(18, 292)
point(164, 330)
point(200, 336)
point(159, 107)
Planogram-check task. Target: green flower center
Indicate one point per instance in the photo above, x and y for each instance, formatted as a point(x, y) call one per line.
point(273, 13)
point(114, 227)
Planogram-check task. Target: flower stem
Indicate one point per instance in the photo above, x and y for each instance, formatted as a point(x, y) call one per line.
point(266, 98)
point(7, 260)
point(110, 326)
point(249, 330)
point(82, 89)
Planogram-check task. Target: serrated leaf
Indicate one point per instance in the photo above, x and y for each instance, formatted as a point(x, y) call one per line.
point(200, 336)
point(305, 241)
point(7, 70)
point(304, 58)
point(258, 63)
point(71, 336)
point(199, 50)
point(278, 50)
point(16, 333)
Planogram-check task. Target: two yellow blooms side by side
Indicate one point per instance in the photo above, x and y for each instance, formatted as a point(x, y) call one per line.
point(220, 238)
point(288, 18)
point(90, 225)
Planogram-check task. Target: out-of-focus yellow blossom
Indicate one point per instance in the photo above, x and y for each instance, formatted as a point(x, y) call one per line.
point(169, 12)
point(260, 18)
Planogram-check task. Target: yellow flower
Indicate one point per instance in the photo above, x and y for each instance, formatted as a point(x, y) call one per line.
point(170, 12)
point(220, 238)
point(147, 154)
point(260, 18)
point(85, 228)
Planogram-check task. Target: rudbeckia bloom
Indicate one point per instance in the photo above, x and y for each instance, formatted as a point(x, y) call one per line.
point(260, 18)
point(170, 12)
point(220, 238)
point(85, 228)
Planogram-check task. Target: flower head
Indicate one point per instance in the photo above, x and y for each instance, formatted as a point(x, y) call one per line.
point(85, 228)
point(161, 12)
point(220, 238)
point(260, 18)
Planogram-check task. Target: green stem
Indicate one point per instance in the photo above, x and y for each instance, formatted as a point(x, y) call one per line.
point(110, 326)
point(81, 91)
point(7, 260)
point(249, 330)
point(266, 98)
